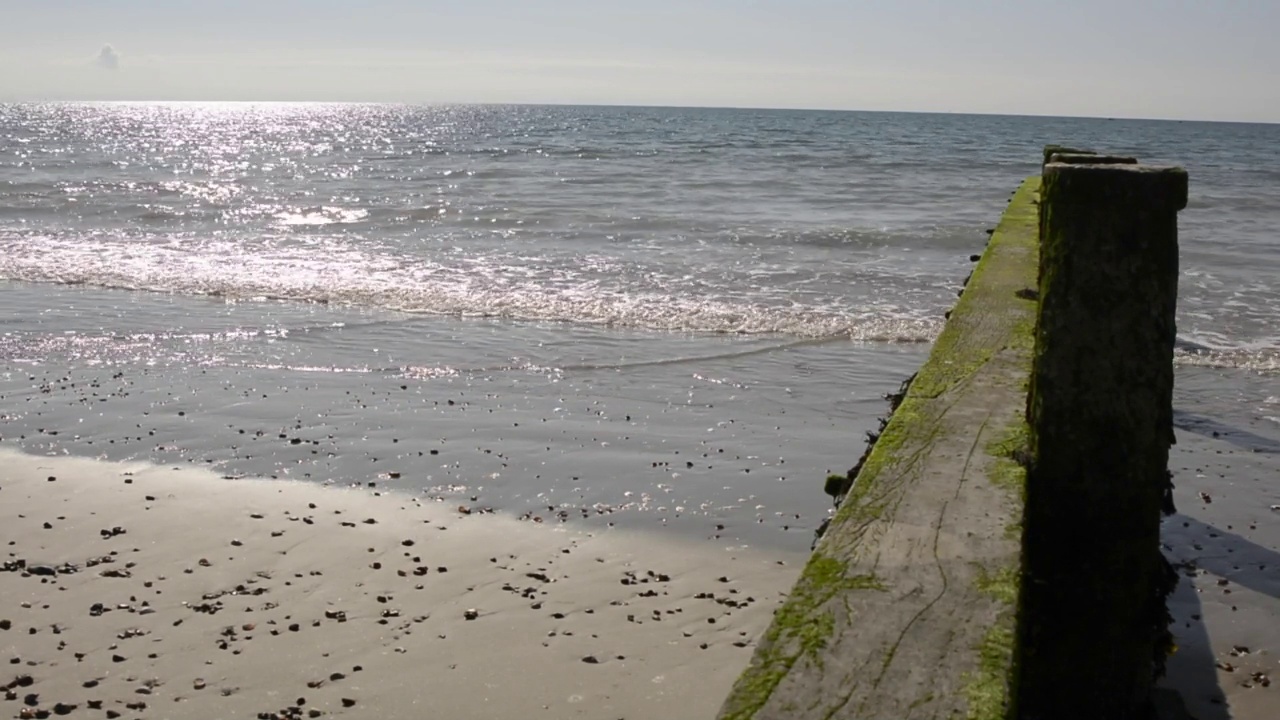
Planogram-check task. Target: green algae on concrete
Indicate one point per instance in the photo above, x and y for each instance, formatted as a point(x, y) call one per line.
point(987, 691)
point(908, 606)
point(802, 624)
point(991, 691)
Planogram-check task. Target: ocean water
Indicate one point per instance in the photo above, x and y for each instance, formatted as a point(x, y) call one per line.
point(683, 317)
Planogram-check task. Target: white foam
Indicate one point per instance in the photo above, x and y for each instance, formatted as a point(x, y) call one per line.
point(325, 270)
point(1263, 359)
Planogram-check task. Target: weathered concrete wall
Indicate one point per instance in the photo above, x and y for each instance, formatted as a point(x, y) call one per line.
point(906, 608)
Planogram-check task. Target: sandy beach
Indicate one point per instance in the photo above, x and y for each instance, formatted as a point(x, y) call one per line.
point(132, 590)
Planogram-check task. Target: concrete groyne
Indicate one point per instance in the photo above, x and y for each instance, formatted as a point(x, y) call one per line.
point(995, 554)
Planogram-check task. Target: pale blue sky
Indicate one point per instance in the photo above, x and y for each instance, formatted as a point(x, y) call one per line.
point(1112, 58)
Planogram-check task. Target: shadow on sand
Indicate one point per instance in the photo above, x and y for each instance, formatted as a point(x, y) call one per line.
point(1197, 548)
point(1211, 428)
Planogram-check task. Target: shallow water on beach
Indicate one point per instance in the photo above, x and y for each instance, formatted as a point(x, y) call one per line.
point(726, 437)
point(643, 316)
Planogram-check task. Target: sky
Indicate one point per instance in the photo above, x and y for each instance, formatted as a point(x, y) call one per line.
point(1177, 59)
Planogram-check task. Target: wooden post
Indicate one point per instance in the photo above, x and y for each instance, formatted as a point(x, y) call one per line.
point(1100, 413)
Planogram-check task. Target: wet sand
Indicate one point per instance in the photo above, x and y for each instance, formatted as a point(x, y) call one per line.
point(1225, 543)
point(135, 590)
point(657, 446)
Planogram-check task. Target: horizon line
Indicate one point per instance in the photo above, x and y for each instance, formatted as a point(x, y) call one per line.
point(424, 103)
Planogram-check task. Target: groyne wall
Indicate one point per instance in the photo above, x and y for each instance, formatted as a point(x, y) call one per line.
point(995, 553)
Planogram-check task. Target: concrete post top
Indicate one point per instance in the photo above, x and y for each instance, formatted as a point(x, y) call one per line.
point(1131, 184)
point(1051, 150)
point(1073, 158)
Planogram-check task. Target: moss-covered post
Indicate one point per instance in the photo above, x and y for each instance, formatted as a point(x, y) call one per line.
point(1093, 618)
point(1075, 156)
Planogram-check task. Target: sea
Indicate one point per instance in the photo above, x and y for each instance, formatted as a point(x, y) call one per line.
point(652, 317)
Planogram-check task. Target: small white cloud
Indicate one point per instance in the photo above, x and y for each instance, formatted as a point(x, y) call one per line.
point(108, 58)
